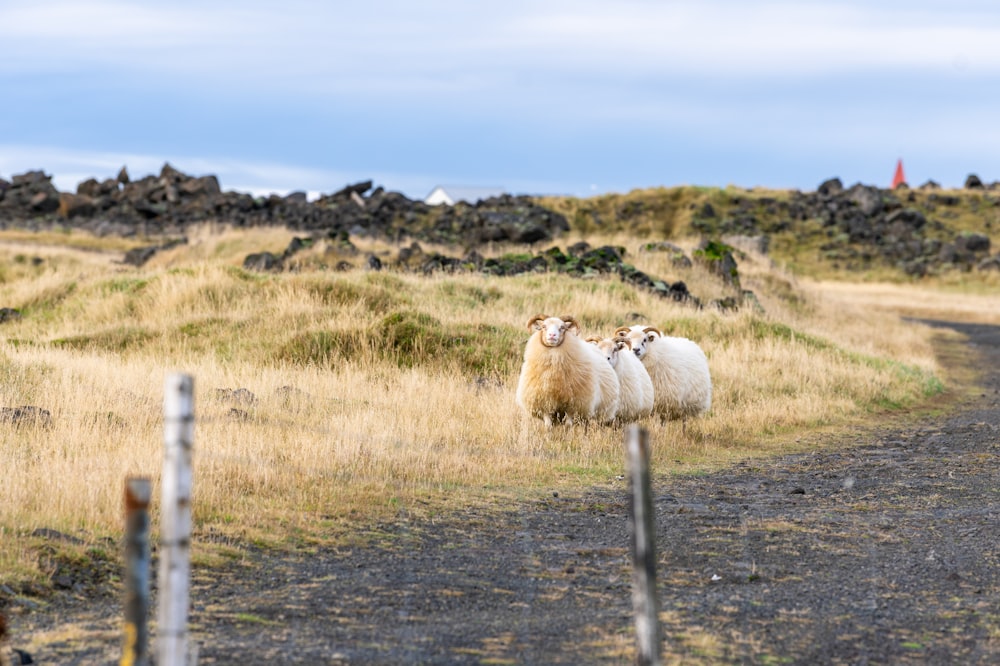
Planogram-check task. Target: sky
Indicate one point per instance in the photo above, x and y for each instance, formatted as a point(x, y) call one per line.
point(572, 97)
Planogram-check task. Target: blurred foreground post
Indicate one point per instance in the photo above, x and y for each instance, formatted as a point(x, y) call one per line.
point(136, 642)
point(175, 522)
point(645, 602)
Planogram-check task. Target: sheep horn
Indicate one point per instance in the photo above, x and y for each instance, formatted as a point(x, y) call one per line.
point(622, 331)
point(594, 338)
point(571, 322)
point(652, 329)
point(534, 320)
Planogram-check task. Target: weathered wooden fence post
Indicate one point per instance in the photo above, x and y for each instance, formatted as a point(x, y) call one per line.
point(135, 645)
point(645, 602)
point(175, 522)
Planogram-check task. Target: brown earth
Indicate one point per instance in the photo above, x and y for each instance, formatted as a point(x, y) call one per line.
point(878, 548)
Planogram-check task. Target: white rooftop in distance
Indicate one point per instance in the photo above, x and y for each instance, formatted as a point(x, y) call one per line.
point(451, 194)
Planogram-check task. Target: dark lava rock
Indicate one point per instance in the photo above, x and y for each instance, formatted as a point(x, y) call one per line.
point(262, 261)
point(27, 415)
point(830, 187)
point(972, 182)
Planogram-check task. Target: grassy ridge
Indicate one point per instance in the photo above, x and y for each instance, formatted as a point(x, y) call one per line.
point(325, 401)
point(798, 239)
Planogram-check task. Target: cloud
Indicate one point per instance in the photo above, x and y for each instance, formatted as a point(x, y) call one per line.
point(529, 94)
point(395, 47)
point(69, 168)
point(769, 39)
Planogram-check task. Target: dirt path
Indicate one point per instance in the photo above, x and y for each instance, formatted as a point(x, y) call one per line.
point(881, 550)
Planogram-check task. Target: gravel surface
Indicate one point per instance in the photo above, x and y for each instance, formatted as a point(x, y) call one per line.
point(879, 548)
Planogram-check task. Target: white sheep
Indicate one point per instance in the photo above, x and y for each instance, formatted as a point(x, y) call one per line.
point(679, 369)
point(563, 377)
point(636, 385)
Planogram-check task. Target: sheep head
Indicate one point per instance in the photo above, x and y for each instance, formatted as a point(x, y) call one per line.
point(552, 330)
point(609, 347)
point(641, 339)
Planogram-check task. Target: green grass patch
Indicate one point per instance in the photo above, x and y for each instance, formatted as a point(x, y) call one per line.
point(122, 285)
point(118, 340)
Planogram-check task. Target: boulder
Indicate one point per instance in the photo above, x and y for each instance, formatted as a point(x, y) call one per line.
point(909, 217)
point(77, 205)
point(26, 415)
point(831, 187)
point(975, 243)
point(868, 199)
point(203, 186)
point(990, 263)
point(357, 188)
point(89, 187)
point(31, 179)
point(45, 202)
point(262, 262)
point(171, 175)
point(718, 258)
point(140, 255)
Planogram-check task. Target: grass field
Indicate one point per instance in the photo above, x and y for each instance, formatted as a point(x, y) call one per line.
point(329, 401)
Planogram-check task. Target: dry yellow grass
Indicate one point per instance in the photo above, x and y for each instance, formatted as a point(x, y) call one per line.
point(950, 303)
point(376, 393)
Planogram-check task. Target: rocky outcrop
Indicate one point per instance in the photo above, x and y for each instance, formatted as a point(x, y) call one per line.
point(860, 226)
point(866, 226)
point(579, 260)
point(168, 203)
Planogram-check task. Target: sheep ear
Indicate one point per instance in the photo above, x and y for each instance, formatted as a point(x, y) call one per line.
point(533, 322)
point(571, 323)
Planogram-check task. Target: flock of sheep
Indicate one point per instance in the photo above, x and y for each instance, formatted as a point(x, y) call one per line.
point(636, 372)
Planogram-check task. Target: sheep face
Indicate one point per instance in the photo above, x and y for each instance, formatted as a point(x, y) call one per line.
point(641, 339)
point(621, 346)
point(552, 330)
point(610, 349)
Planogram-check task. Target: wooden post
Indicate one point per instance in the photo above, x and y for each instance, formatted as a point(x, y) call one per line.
point(135, 645)
point(175, 523)
point(645, 601)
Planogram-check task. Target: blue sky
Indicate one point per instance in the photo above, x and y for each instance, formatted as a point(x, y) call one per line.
point(574, 97)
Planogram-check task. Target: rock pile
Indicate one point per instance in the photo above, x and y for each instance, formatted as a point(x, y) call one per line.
point(579, 260)
point(855, 228)
point(865, 225)
point(169, 203)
